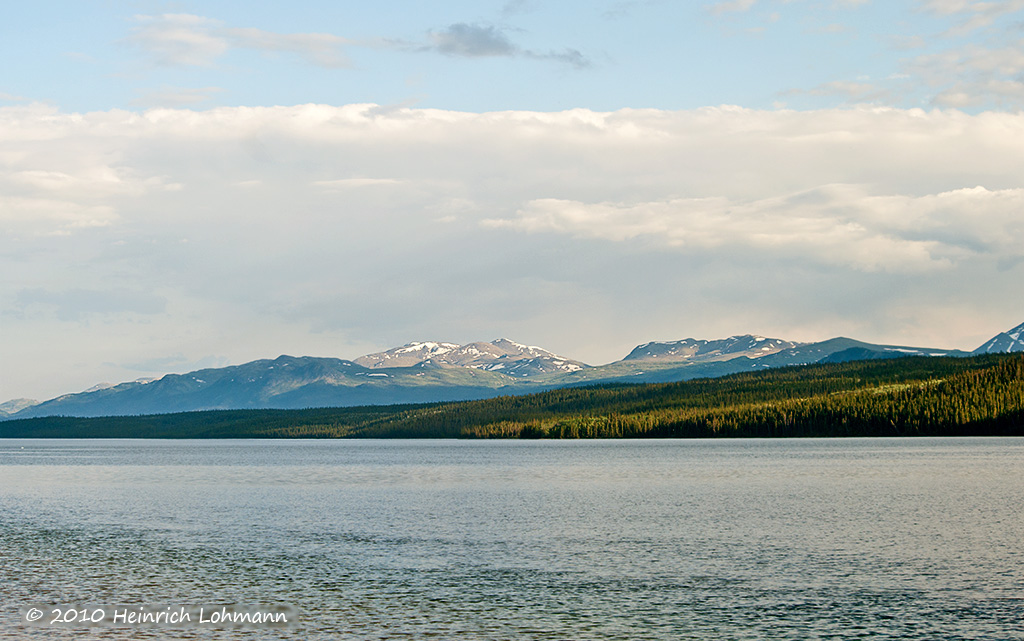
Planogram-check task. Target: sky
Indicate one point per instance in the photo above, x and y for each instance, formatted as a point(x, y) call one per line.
point(199, 184)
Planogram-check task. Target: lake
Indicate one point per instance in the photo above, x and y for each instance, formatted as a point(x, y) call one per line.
point(411, 539)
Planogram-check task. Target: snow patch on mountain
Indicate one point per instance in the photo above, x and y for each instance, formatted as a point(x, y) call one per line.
point(500, 355)
point(1004, 342)
point(693, 350)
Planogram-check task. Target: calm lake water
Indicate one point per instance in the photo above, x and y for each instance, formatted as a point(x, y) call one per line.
point(727, 539)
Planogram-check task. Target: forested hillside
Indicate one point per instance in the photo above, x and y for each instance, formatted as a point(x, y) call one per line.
point(982, 395)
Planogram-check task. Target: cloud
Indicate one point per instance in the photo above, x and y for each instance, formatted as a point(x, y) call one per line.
point(337, 230)
point(47, 193)
point(322, 49)
point(971, 61)
point(1009, 93)
point(953, 7)
point(834, 224)
point(570, 57)
point(975, 63)
point(467, 40)
point(180, 39)
point(190, 40)
point(973, 75)
point(977, 14)
point(472, 41)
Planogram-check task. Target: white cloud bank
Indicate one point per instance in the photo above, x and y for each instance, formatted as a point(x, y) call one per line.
point(834, 224)
point(239, 233)
point(191, 40)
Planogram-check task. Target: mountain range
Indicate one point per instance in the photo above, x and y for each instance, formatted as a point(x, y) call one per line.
point(435, 371)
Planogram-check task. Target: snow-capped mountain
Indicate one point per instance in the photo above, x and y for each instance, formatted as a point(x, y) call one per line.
point(501, 355)
point(1008, 341)
point(407, 355)
point(693, 350)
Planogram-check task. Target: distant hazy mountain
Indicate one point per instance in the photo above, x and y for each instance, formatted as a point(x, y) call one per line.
point(286, 382)
point(16, 405)
point(433, 371)
point(1010, 341)
point(655, 362)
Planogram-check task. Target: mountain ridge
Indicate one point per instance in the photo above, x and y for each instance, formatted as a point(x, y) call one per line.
point(501, 354)
point(694, 350)
point(1004, 342)
point(430, 371)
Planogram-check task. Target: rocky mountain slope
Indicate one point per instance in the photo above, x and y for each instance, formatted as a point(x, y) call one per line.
point(501, 355)
point(1009, 341)
point(694, 351)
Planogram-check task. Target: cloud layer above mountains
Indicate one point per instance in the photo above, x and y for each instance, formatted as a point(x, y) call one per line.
point(336, 231)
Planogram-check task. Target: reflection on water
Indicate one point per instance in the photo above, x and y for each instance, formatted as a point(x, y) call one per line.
point(747, 539)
